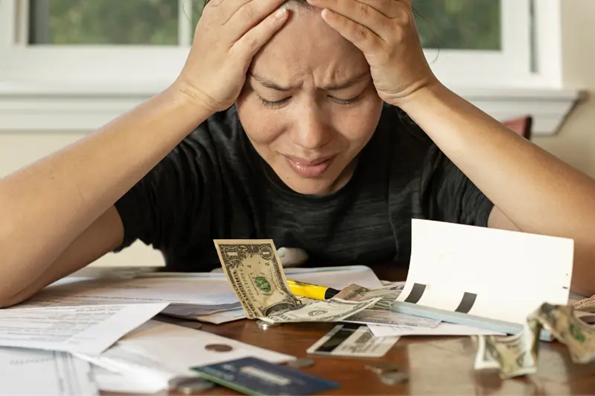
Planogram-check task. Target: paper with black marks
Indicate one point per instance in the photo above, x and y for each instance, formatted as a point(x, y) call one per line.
point(496, 274)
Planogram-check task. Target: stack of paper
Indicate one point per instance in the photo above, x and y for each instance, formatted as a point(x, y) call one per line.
point(44, 373)
point(153, 354)
point(107, 322)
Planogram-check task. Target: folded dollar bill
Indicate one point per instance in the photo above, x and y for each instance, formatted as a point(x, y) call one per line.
point(333, 310)
point(517, 355)
point(387, 294)
point(256, 276)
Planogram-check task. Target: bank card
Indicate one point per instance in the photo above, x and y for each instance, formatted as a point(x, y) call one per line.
point(253, 376)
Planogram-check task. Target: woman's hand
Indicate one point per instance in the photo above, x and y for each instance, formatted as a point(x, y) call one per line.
point(228, 35)
point(385, 31)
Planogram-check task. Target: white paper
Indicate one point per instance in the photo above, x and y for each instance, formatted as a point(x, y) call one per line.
point(200, 289)
point(511, 273)
point(43, 373)
point(223, 317)
point(443, 329)
point(109, 381)
point(335, 277)
point(87, 329)
point(159, 352)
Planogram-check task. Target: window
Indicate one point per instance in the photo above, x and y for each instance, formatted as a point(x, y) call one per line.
point(468, 42)
point(112, 22)
point(460, 25)
point(131, 49)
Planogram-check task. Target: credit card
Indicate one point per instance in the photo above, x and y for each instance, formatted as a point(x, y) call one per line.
point(354, 341)
point(253, 376)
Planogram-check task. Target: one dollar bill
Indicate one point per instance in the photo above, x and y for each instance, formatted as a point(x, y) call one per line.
point(517, 355)
point(333, 310)
point(256, 276)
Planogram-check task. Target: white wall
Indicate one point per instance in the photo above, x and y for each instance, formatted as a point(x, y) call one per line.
point(20, 148)
point(575, 143)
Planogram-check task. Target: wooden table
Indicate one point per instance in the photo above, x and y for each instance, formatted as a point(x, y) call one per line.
point(436, 365)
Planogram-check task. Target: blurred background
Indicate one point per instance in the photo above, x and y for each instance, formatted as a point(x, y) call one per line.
point(69, 66)
point(461, 24)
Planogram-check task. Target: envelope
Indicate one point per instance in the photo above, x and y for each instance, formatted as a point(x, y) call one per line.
point(157, 352)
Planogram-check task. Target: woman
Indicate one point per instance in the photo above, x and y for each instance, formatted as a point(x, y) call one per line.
point(307, 134)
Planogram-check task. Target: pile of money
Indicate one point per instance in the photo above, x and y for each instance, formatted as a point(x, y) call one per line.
point(256, 276)
point(517, 355)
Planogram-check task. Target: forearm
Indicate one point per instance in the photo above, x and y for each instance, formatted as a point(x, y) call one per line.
point(45, 206)
point(536, 191)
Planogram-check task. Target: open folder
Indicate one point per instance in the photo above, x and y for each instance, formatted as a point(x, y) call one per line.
point(487, 278)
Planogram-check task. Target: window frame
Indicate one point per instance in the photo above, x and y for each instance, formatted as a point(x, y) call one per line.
point(117, 64)
point(101, 82)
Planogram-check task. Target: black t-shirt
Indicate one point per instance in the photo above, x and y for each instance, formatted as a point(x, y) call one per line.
point(214, 185)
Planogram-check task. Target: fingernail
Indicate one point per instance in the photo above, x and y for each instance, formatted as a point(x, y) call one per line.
point(280, 12)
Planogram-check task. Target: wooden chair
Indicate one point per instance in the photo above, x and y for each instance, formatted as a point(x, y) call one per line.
point(522, 125)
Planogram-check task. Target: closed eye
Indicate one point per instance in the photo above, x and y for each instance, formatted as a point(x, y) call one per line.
point(345, 102)
point(279, 103)
point(273, 104)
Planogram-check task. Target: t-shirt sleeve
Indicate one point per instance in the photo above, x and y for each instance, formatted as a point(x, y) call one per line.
point(455, 198)
point(166, 206)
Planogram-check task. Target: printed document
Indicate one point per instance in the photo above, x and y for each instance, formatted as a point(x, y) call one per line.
point(85, 329)
point(193, 295)
point(25, 372)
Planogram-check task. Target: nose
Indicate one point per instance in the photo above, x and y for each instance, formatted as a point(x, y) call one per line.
point(311, 131)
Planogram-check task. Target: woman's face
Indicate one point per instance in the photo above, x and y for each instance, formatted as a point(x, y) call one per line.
point(309, 105)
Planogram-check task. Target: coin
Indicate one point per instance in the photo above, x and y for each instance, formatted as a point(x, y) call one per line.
point(382, 368)
point(218, 348)
point(264, 325)
point(190, 386)
point(301, 363)
point(393, 378)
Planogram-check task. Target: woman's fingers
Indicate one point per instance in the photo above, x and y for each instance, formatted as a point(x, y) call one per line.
point(363, 38)
point(370, 19)
point(227, 8)
point(250, 15)
point(251, 42)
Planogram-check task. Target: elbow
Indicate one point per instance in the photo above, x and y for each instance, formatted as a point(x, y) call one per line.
point(8, 300)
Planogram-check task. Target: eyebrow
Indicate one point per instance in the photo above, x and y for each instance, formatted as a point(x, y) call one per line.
point(337, 87)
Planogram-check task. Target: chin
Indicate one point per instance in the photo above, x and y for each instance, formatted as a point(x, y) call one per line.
point(311, 186)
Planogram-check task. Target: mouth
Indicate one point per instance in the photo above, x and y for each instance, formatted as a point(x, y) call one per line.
point(309, 168)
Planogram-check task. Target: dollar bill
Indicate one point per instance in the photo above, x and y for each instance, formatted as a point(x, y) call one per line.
point(514, 355)
point(586, 304)
point(387, 294)
point(567, 328)
point(517, 355)
point(255, 274)
point(333, 310)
